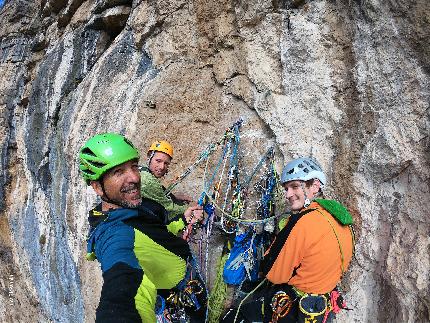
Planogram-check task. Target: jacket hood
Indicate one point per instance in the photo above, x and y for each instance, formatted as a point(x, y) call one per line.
point(339, 212)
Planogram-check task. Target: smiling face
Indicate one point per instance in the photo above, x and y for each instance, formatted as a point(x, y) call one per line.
point(297, 191)
point(159, 164)
point(121, 186)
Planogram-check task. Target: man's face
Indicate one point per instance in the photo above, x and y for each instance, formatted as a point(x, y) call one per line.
point(159, 164)
point(295, 193)
point(121, 184)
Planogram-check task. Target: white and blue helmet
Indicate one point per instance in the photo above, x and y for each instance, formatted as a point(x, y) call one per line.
point(303, 169)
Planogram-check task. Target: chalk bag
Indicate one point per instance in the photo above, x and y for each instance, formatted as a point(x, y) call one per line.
point(312, 309)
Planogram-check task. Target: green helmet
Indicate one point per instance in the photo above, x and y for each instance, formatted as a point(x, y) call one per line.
point(103, 152)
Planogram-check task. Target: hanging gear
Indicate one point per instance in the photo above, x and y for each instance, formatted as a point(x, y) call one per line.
point(281, 305)
point(161, 311)
point(161, 146)
point(103, 152)
point(230, 219)
point(188, 299)
point(337, 303)
point(188, 296)
point(303, 169)
point(242, 263)
point(267, 188)
point(203, 156)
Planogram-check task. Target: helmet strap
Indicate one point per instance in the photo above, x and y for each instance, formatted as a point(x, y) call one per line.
point(307, 200)
point(150, 157)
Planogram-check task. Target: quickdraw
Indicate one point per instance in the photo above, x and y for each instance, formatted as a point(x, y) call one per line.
point(281, 305)
point(187, 297)
point(179, 300)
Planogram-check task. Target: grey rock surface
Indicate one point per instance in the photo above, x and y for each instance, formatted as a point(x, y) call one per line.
point(345, 81)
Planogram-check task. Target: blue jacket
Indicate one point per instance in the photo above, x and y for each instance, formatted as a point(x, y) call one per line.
point(138, 256)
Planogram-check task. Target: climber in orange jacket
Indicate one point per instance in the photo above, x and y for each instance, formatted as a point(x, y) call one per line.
point(308, 257)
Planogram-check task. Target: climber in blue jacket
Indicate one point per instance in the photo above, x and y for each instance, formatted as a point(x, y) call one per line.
point(139, 257)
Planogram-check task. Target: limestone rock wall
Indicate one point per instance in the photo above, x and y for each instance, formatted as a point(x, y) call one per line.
point(345, 81)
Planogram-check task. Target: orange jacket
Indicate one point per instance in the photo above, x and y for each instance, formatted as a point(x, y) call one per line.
point(313, 250)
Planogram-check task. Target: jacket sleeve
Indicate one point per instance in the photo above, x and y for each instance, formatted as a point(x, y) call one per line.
point(151, 188)
point(125, 297)
point(120, 285)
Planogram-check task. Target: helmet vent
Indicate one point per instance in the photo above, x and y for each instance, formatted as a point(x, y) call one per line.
point(88, 172)
point(128, 142)
point(88, 151)
point(96, 164)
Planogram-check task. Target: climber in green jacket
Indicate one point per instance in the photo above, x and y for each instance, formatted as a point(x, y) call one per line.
point(179, 207)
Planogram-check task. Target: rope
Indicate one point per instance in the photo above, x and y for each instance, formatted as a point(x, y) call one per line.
point(269, 153)
point(338, 241)
point(242, 221)
point(246, 297)
point(203, 197)
point(204, 155)
point(218, 293)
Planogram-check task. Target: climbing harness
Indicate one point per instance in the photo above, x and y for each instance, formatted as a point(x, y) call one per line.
point(316, 308)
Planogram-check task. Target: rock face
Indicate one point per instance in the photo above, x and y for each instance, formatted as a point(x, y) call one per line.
point(345, 81)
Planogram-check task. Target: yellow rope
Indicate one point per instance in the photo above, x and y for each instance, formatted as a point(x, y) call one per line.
point(338, 241)
point(246, 297)
point(218, 293)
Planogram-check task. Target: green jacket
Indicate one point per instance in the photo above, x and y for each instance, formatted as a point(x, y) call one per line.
point(152, 189)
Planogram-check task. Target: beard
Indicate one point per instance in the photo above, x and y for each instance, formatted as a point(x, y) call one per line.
point(131, 205)
point(134, 203)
